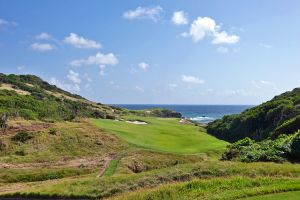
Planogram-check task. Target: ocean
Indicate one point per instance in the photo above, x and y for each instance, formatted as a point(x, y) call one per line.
point(197, 113)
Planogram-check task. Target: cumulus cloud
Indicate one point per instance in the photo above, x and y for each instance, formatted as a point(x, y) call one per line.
point(224, 38)
point(205, 26)
point(74, 77)
point(179, 18)
point(43, 36)
point(192, 79)
point(143, 65)
point(81, 42)
point(98, 59)
point(42, 47)
point(153, 13)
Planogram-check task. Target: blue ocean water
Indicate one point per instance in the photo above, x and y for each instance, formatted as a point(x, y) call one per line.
point(198, 113)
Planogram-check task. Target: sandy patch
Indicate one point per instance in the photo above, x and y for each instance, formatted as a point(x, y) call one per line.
point(137, 122)
point(5, 86)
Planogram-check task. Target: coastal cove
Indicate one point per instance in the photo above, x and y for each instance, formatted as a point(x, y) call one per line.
point(198, 113)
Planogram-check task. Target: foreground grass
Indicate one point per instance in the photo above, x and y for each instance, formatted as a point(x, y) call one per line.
point(218, 188)
point(286, 196)
point(92, 187)
point(37, 174)
point(163, 135)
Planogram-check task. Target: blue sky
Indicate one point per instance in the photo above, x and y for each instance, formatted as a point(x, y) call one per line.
point(157, 52)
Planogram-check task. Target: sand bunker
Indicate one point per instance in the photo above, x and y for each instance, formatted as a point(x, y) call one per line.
point(136, 122)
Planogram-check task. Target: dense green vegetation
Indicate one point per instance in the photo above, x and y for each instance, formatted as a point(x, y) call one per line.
point(279, 116)
point(32, 98)
point(268, 132)
point(164, 135)
point(285, 147)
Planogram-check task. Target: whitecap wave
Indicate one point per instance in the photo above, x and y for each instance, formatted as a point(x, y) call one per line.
point(202, 119)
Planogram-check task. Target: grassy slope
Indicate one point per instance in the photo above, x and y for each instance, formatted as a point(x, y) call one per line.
point(72, 140)
point(83, 140)
point(286, 196)
point(281, 177)
point(163, 135)
point(218, 188)
point(281, 115)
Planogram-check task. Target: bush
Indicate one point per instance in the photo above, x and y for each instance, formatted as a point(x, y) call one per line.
point(22, 136)
point(52, 131)
point(248, 150)
point(295, 147)
point(20, 153)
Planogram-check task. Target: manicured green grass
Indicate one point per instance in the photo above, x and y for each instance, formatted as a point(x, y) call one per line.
point(163, 135)
point(281, 196)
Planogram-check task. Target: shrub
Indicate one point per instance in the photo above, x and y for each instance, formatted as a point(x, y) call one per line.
point(248, 150)
point(20, 153)
point(22, 136)
point(52, 131)
point(295, 147)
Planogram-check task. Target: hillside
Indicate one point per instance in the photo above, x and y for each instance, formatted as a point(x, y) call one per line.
point(268, 132)
point(281, 115)
point(30, 97)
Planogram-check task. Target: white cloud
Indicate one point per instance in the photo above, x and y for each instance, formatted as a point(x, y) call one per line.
point(5, 23)
point(224, 38)
point(223, 49)
point(153, 13)
point(81, 42)
point(143, 65)
point(180, 18)
point(205, 26)
point(98, 59)
point(140, 89)
point(42, 47)
point(192, 79)
point(74, 77)
point(65, 86)
point(43, 36)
